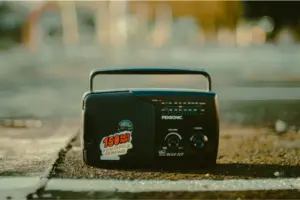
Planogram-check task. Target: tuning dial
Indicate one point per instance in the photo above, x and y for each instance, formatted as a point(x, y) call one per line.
point(199, 140)
point(173, 140)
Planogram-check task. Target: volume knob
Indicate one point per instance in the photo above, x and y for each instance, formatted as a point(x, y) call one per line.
point(173, 140)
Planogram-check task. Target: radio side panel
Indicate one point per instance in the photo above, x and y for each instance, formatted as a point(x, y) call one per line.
point(102, 115)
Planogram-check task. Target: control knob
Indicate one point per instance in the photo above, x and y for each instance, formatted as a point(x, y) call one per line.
point(173, 140)
point(199, 140)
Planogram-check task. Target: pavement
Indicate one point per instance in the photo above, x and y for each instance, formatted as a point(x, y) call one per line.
point(18, 187)
point(261, 194)
point(253, 162)
point(254, 91)
point(23, 148)
point(28, 154)
point(183, 189)
point(244, 153)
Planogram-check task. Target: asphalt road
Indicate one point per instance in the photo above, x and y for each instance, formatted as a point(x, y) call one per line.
point(51, 83)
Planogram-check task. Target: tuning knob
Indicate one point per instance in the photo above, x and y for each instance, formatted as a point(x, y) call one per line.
point(199, 140)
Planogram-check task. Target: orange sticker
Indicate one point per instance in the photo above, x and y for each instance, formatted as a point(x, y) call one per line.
point(113, 146)
point(114, 140)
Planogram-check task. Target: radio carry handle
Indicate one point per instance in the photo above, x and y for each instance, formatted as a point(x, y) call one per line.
point(151, 71)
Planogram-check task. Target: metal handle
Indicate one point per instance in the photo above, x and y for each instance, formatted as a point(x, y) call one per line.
point(151, 71)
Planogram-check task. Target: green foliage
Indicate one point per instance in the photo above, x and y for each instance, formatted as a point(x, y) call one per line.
point(10, 29)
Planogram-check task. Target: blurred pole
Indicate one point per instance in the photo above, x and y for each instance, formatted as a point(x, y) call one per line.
point(69, 22)
point(243, 34)
point(235, 11)
point(163, 24)
point(101, 19)
point(36, 37)
point(142, 12)
point(118, 29)
point(101, 22)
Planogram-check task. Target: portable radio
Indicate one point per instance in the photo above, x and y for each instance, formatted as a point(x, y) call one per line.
point(150, 127)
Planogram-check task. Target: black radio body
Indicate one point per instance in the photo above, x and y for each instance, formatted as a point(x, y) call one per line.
point(150, 128)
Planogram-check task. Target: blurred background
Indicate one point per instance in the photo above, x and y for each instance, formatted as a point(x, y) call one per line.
point(47, 48)
point(36, 24)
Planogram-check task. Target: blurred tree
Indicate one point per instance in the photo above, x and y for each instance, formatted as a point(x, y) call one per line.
point(285, 14)
point(10, 25)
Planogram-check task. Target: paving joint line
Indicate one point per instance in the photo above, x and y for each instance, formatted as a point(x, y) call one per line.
point(45, 178)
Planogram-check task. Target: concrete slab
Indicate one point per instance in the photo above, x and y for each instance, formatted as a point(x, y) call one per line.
point(18, 187)
point(33, 151)
point(167, 185)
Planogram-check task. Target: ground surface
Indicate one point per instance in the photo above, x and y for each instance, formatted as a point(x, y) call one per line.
point(270, 194)
point(245, 153)
point(29, 151)
point(254, 92)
